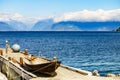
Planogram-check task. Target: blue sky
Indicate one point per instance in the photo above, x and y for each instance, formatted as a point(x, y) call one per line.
point(45, 8)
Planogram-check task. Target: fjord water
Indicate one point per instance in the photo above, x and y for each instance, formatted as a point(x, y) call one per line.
point(84, 50)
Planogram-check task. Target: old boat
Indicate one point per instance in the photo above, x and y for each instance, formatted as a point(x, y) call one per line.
point(41, 65)
point(36, 64)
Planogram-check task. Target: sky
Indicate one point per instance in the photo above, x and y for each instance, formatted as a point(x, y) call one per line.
point(32, 11)
point(48, 8)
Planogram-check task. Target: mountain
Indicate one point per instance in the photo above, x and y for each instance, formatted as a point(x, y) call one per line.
point(50, 25)
point(5, 27)
point(117, 30)
point(65, 26)
point(43, 25)
point(13, 25)
point(17, 25)
point(85, 26)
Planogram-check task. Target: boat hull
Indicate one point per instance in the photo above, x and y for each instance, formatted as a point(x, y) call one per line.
point(45, 68)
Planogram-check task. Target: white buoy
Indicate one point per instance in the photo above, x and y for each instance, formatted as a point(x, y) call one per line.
point(16, 48)
point(6, 41)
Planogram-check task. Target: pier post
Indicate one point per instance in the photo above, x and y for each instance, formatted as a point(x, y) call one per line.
point(9, 58)
point(21, 61)
point(54, 58)
point(14, 60)
point(1, 52)
point(26, 52)
point(7, 45)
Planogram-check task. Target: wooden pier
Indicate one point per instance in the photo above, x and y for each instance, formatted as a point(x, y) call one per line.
point(62, 73)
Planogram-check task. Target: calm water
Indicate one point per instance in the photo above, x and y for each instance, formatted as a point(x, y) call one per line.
point(85, 50)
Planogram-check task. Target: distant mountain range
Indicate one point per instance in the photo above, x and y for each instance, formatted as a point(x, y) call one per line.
point(17, 25)
point(50, 25)
point(43, 25)
point(86, 26)
point(5, 27)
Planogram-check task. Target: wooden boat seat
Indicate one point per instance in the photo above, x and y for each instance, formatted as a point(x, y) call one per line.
point(31, 58)
point(35, 60)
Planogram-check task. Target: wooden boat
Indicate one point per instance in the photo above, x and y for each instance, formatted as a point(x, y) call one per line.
point(41, 65)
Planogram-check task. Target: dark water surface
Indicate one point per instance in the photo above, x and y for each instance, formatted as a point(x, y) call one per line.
point(85, 50)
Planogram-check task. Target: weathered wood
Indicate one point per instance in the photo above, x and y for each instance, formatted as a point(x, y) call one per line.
point(1, 52)
point(23, 73)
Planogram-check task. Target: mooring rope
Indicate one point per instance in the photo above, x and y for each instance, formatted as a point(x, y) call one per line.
point(42, 68)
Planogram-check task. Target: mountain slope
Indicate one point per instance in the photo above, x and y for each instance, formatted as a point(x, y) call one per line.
point(17, 25)
point(50, 25)
point(43, 25)
point(5, 27)
point(117, 30)
point(86, 26)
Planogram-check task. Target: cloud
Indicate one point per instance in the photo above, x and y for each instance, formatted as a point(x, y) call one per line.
point(82, 16)
point(18, 17)
point(86, 15)
point(9, 16)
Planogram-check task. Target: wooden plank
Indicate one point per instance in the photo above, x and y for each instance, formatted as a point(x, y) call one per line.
point(26, 75)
